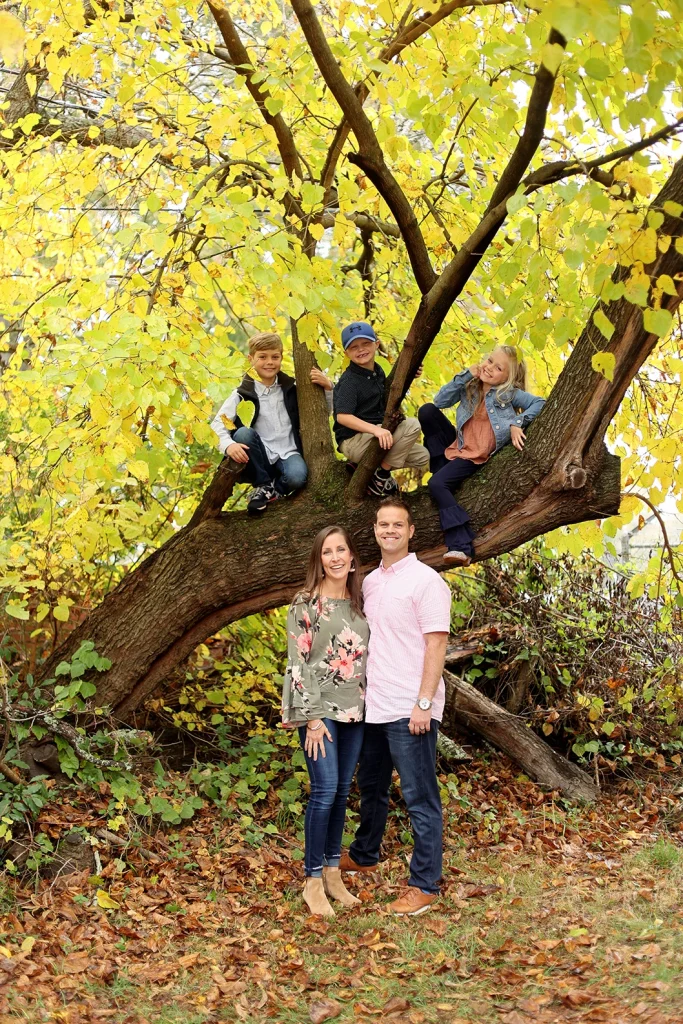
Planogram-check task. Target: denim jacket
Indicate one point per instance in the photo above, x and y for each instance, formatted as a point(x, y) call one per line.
point(515, 408)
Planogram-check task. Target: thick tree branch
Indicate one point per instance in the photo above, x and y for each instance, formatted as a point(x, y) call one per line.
point(244, 66)
point(370, 157)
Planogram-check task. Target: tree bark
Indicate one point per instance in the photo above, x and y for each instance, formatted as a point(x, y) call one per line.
point(507, 732)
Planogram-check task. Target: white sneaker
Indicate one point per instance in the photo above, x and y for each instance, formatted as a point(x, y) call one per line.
point(456, 558)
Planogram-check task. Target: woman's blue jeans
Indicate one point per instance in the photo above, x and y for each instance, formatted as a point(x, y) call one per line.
point(331, 777)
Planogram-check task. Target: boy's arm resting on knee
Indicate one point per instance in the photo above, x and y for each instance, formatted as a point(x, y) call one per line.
point(453, 392)
point(219, 424)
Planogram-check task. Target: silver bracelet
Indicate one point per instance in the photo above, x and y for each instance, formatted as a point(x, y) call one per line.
point(314, 728)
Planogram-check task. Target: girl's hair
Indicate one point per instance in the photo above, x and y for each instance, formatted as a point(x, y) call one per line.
point(315, 574)
point(516, 376)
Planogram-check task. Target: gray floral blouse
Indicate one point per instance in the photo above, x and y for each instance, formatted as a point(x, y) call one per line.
point(327, 647)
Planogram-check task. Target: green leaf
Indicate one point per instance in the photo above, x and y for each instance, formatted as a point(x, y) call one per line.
point(551, 56)
point(597, 69)
point(603, 324)
point(657, 321)
point(17, 611)
point(273, 106)
point(604, 363)
point(516, 202)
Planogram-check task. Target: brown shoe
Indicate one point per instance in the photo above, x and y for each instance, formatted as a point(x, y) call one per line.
point(412, 901)
point(347, 864)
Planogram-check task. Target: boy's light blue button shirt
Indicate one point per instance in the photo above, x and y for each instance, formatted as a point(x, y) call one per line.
point(512, 409)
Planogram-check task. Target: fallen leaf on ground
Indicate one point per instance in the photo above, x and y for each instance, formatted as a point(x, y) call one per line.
point(395, 1005)
point(323, 1009)
point(575, 998)
point(657, 986)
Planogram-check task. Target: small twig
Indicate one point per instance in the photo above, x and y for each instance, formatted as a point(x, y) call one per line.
point(665, 535)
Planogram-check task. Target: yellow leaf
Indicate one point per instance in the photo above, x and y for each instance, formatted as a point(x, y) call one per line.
point(61, 612)
point(105, 901)
point(12, 37)
point(28, 944)
point(4, 951)
point(604, 362)
point(139, 469)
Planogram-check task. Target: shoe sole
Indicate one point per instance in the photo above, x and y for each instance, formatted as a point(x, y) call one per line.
point(458, 561)
point(412, 913)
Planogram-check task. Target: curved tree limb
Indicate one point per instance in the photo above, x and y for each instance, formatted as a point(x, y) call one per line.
point(244, 66)
point(662, 525)
point(406, 35)
point(370, 157)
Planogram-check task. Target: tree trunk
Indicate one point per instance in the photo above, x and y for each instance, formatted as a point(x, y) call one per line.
point(544, 765)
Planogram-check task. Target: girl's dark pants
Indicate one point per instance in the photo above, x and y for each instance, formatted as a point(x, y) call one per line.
point(439, 433)
point(331, 778)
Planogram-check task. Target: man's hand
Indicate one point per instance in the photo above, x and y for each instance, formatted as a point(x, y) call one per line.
point(420, 721)
point(385, 438)
point(517, 436)
point(238, 452)
point(319, 378)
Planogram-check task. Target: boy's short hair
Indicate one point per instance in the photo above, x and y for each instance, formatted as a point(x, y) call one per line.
point(264, 340)
point(395, 503)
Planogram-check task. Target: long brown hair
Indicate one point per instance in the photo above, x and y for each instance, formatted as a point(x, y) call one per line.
point(516, 377)
point(315, 574)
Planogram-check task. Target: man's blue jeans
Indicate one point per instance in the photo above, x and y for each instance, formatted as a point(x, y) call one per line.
point(331, 777)
point(391, 745)
point(288, 475)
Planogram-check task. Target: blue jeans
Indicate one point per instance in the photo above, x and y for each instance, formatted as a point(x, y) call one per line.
point(439, 434)
point(391, 745)
point(331, 777)
point(288, 475)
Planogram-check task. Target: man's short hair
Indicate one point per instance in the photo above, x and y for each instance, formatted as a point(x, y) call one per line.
point(396, 503)
point(264, 340)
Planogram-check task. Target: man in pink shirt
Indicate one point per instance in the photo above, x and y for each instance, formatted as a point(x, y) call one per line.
point(407, 605)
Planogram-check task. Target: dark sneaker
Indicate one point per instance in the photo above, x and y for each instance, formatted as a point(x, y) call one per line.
point(411, 902)
point(261, 498)
point(348, 864)
point(381, 485)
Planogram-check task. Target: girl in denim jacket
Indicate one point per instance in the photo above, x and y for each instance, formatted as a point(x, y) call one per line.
point(493, 410)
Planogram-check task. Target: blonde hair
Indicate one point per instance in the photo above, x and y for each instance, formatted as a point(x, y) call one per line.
point(264, 340)
point(516, 376)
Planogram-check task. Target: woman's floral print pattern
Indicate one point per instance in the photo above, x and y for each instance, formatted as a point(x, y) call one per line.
point(327, 646)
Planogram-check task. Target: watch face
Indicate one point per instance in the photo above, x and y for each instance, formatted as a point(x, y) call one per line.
point(424, 704)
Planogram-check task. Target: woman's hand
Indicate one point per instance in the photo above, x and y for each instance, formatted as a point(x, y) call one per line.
point(316, 733)
point(476, 370)
point(518, 437)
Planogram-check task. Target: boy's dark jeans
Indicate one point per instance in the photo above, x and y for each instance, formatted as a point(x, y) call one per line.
point(391, 745)
point(287, 475)
point(439, 434)
point(331, 778)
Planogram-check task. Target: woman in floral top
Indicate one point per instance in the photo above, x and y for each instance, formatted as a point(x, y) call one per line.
point(324, 696)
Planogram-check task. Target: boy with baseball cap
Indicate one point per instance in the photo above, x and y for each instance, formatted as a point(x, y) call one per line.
point(359, 403)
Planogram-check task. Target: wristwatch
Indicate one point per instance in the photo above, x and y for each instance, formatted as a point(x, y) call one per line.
point(424, 704)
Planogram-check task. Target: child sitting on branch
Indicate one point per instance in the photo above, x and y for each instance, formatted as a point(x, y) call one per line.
point(270, 446)
point(359, 407)
point(493, 410)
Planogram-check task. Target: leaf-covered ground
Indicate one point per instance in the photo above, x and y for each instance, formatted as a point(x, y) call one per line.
point(549, 914)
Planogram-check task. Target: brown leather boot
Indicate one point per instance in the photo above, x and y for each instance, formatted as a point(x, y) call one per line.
point(315, 898)
point(334, 887)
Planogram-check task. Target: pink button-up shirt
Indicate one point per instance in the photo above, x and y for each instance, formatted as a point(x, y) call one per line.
point(401, 604)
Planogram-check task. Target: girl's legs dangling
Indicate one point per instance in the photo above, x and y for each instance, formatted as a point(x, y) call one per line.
point(455, 522)
point(438, 432)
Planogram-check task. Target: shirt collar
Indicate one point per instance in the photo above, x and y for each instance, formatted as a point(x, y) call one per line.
point(355, 368)
point(401, 565)
point(265, 389)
